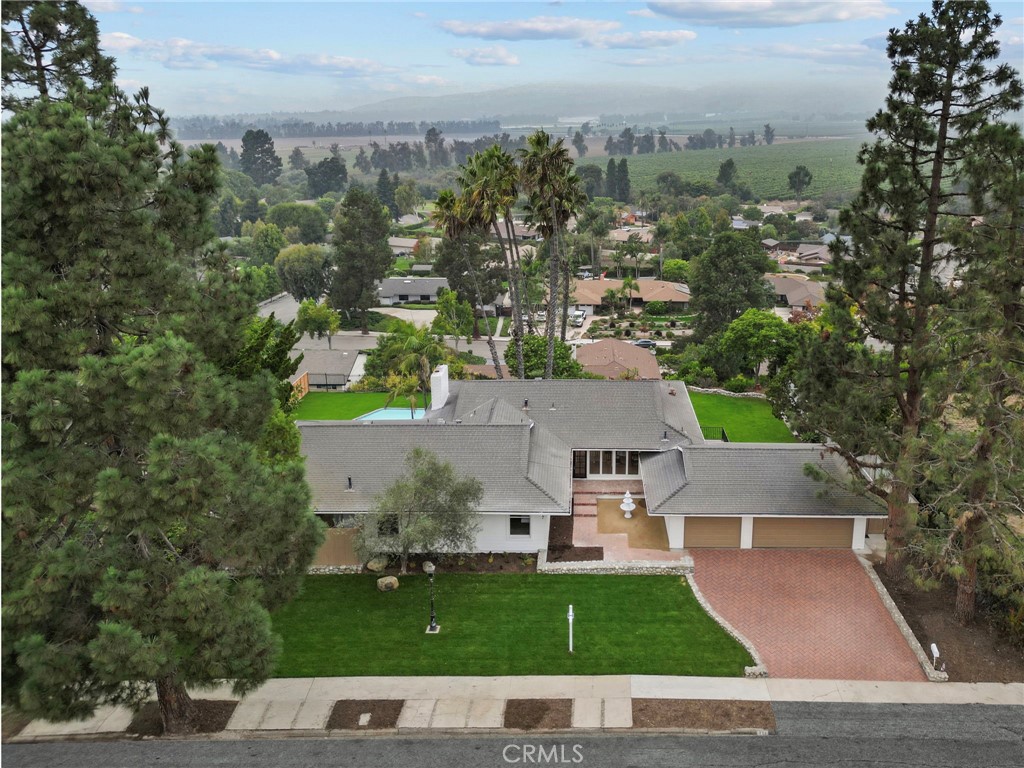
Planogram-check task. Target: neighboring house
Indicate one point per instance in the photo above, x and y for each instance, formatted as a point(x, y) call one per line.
point(769, 243)
point(524, 233)
point(485, 371)
point(404, 290)
point(796, 291)
point(421, 269)
point(404, 246)
point(616, 359)
point(622, 235)
point(588, 295)
point(322, 370)
point(739, 223)
point(531, 443)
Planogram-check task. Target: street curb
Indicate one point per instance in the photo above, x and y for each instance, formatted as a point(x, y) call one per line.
point(933, 675)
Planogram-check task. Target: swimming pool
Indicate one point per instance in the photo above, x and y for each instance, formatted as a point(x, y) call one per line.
point(391, 414)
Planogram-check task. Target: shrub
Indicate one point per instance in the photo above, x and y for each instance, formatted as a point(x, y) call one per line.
point(671, 323)
point(670, 334)
point(628, 332)
point(656, 308)
point(657, 334)
point(618, 333)
point(368, 384)
point(738, 383)
point(632, 324)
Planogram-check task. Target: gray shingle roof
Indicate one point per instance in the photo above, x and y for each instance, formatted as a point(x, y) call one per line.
point(411, 286)
point(523, 469)
point(324, 361)
point(750, 479)
point(588, 413)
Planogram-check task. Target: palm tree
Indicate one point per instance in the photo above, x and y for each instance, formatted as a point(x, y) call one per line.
point(544, 170)
point(402, 388)
point(489, 188)
point(451, 217)
point(414, 351)
point(629, 284)
point(611, 296)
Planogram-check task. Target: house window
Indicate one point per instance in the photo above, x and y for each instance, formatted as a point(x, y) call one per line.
point(613, 463)
point(519, 526)
point(424, 297)
point(620, 463)
point(403, 297)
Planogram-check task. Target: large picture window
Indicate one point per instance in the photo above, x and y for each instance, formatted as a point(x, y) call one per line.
point(613, 463)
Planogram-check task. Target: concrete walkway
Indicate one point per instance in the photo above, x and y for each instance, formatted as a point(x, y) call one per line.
point(472, 703)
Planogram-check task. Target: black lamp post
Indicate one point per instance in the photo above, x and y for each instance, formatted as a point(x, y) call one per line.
point(434, 627)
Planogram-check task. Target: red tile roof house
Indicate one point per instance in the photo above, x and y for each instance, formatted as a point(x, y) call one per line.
point(588, 295)
point(533, 444)
point(614, 359)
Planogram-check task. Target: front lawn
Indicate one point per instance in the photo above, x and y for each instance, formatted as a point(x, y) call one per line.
point(503, 624)
point(746, 419)
point(341, 406)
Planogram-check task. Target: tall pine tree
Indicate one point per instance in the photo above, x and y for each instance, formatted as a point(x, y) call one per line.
point(146, 533)
point(944, 89)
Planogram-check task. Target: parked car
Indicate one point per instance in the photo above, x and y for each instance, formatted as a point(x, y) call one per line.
point(645, 343)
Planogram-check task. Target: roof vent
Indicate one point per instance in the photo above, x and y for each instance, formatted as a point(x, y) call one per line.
point(672, 391)
point(664, 436)
point(350, 482)
point(526, 405)
point(458, 421)
point(552, 407)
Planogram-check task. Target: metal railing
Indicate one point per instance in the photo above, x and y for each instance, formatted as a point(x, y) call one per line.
point(714, 433)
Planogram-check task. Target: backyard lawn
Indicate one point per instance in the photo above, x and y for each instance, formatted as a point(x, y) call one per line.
point(337, 406)
point(746, 419)
point(503, 624)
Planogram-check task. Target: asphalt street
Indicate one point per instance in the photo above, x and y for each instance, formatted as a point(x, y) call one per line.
point(809, 734)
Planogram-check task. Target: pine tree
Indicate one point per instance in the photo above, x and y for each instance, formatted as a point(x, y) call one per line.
point(48, 49)
point(259, 160)
point(944, 89)
point(611, 181)
point(361, 253)
point(146, 536)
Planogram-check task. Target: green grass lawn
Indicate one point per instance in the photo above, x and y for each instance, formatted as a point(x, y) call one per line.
point(337, 406)
point(503, 624)
point(746, 419)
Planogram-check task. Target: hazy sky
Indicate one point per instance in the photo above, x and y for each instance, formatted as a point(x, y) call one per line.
point(228, 57)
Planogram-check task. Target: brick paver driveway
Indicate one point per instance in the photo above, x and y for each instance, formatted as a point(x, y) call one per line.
point(809, 613)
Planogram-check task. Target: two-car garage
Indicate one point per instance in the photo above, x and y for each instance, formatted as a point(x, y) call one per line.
point(704, 532)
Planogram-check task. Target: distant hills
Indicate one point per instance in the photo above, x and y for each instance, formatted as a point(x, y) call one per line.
point(627, 102)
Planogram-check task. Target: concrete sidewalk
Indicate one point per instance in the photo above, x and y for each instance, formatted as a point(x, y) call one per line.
point(456, 703)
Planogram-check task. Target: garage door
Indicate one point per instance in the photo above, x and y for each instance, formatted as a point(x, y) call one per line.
point(701, 532)
point(802, 532)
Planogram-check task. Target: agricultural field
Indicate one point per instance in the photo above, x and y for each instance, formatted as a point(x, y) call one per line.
point(832, 162)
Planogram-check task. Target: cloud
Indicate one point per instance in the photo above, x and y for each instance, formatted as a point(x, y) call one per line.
point(110, 6)
point(641, 39)
point(770, 13)
point(424, 80)
point(496, 56)
point(643, 13)
point(853, 54)
point(537, 28)
point(180, 53)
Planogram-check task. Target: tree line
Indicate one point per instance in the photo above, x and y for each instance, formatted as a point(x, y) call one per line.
point(214, 127)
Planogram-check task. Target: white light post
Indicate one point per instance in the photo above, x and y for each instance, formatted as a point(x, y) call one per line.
point(570, 628)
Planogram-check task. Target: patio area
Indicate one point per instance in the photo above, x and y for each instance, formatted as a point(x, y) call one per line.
point(598, 521)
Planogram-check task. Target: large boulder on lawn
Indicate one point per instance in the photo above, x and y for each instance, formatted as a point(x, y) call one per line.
point(387, 584)
point(377, 565)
